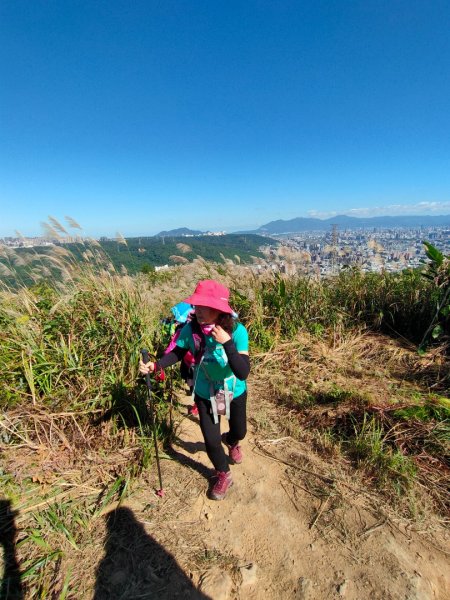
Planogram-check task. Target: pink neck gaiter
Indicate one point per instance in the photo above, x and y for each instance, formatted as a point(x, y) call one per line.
point(206, 329)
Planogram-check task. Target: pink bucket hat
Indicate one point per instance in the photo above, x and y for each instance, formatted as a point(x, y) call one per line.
point(212, 294)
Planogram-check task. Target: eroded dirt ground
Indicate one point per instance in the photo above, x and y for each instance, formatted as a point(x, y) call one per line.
point(291, 527)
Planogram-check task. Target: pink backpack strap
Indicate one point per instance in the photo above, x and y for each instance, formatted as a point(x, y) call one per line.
point(199, 345)
point(189, 359)
point(173, 341)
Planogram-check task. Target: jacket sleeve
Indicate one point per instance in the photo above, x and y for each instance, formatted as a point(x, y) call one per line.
point(239, 363)
point(171, 358)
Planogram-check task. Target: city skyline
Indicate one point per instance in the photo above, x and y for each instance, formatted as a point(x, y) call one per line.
point(68, 228)
point(317, 253)
point(148, 116)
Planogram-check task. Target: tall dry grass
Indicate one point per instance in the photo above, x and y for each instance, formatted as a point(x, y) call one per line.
point(73, 431)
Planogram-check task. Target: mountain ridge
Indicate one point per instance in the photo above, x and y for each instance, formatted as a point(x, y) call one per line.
point(180, 231)
point(300, 224)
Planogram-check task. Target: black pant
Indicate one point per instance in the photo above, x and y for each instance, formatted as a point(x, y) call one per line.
point(211, 430)
point(186, 372)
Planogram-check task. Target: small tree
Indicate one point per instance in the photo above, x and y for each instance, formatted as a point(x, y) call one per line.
point(438, 271)
point(146, 269)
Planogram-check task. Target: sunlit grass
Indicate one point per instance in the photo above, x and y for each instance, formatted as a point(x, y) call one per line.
point(74, 427)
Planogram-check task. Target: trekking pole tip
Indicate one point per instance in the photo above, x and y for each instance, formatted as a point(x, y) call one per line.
point(160, 493)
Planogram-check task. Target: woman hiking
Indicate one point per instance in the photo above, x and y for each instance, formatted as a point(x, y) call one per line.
point(220, 346)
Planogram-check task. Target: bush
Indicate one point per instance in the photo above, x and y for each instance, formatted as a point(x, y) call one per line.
point(396, 303)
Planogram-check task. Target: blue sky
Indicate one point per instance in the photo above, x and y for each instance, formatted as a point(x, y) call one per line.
point(137, 116)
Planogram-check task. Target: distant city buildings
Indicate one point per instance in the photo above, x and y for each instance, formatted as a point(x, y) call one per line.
point(203, 234)
point(317, 253)
point(374, 250)
point(35, 242)
point(32, 242)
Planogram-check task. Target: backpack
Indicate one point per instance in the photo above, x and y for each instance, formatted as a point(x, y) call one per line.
point(172, 328)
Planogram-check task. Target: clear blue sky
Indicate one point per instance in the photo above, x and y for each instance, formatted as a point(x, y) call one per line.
point(141, 115)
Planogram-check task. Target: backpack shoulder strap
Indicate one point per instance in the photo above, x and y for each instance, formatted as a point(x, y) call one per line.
point(199, 341)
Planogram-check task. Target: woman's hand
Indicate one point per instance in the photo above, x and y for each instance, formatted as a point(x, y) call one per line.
point(220, 335)
point(145, 368)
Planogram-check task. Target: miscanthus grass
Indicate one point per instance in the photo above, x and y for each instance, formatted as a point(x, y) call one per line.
point(75, 430)
point(276, 307)
point(74, 427)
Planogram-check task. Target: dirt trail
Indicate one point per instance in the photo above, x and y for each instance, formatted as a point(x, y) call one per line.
point(290, 532)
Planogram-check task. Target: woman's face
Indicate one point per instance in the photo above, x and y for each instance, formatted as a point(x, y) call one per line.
point(206, 315)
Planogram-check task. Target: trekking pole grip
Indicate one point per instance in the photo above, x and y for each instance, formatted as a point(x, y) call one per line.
point(145, 359)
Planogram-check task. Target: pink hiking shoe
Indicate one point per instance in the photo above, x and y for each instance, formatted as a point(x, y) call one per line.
point(223, 483)
point(234, 452)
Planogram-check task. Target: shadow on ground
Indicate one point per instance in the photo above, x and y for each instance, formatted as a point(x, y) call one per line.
point(187, 461)
point(191, 447)
point(136, 566)
point(129, 404)
point(11, 586)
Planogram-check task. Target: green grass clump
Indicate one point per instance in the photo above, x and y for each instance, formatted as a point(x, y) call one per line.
point(66, 347)
point(369, 446)
point(397, 303)
point(432, 408)
point(335, 395)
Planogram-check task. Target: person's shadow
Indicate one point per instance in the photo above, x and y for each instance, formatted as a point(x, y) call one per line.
point(136, 566)
point(11, 583)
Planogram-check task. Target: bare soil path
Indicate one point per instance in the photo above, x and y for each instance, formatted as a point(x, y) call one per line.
point(288, 529)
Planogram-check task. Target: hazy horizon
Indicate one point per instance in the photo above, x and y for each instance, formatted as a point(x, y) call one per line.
point(78, 231)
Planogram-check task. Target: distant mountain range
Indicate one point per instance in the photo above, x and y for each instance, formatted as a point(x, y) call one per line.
point(345, 222)
point(342, 221)
point(178, 232)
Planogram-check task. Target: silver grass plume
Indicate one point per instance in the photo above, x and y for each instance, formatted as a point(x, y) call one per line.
point(181, 260)
point(72, 223)
point(19, 261)
point(62, 251)
point(184, 248)
point(4, 271)
point(120, 239)
point(57, 225)
point(50, 232)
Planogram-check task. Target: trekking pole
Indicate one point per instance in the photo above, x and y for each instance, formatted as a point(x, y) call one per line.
point(171, 403)
point(145, 358)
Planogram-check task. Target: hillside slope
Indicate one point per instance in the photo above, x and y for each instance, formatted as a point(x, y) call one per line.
point(344, 487)
point(289, 529)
